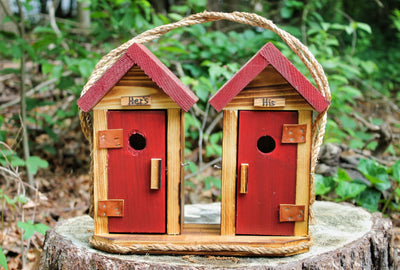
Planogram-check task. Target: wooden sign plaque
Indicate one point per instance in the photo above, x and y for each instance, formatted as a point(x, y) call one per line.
point(269, 102)
point(136, 101)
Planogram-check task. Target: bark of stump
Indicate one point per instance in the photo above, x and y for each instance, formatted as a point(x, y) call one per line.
point(346, 237)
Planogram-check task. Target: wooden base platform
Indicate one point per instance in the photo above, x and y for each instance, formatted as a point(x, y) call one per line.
point(202, 239)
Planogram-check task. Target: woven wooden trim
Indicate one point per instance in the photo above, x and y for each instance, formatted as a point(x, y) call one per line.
point(200, 248)
point(316, 71)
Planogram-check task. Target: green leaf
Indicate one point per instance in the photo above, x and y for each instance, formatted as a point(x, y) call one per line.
point(10, 71)
point(175, 16)
point(216, 137)
point(365, 27)
point(28, 227)
point(348, 122)
point(348, 190)
point(369, 199)
point(66, 83)
point(202, 92)
point(42, 29)
point(99, 15)
point(286, 12)
point(375, 173)
point(323, 185)
point(41, 228)
point(342, 175)
point(16, 52)
point(86, 67)
point(397, 191)
point(16, 161)
point(3, 259)
point(192, 167)
point(34, 163)
point(396, 171)
point(10, 201)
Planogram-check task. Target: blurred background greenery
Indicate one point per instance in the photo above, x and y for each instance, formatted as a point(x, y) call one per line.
point(49, 48)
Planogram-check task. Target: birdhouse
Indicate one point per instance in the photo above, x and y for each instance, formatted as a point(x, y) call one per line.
point(267, 123)
point(138, 143)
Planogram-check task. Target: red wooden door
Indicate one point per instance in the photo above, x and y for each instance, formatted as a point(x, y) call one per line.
point(271, 174)
point(129, 171)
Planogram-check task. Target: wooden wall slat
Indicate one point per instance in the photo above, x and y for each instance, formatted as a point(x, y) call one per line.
point(228, 178)
point(100, 178)
point(174, 176)
point(303, 173)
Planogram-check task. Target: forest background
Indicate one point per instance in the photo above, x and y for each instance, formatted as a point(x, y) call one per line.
point(48, 49)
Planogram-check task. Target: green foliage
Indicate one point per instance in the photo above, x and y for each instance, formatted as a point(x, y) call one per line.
point(212, 181)
point(375, 173)
point(34, 163)
point(18, 199)
point(372, 195)
point(3, 260)
point(9, 157)
point(30, 228)
point(214, 148)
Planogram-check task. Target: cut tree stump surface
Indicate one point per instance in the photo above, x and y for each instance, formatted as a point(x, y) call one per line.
point(346, 237)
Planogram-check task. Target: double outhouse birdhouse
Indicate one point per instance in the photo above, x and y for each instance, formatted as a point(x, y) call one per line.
point(138, 146)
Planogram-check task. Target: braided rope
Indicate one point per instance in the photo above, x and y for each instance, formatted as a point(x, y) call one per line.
point(315, 69)
point(169, 247)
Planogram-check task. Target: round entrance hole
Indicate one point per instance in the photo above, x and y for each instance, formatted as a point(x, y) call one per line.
point(137, 141)
point(266, 144)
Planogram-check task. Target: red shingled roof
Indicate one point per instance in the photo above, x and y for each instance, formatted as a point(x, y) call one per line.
point(269, 54)
point(138, 54)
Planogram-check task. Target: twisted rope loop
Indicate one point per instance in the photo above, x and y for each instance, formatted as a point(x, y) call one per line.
point(170, 247)
point(315, 69)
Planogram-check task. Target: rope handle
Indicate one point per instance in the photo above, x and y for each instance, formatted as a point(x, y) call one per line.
point(315, 69)
point(295, 45)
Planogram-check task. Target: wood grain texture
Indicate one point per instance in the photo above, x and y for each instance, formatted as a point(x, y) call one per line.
point(182, 181)
point(129, 171)
point(155, 182)
point(269, 102)
point(110, 138)
point(228, 178)
point(112, 100)
point(105, 83)
point(174, 174)
point(244, 175)
point(303, 173)
point(271, 175)
point(268, 55)
point(100, 178)
point(136, 101)
point(269, 83)
point(162, 76)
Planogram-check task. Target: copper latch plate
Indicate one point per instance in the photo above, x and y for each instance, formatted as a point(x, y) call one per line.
point(293, 133)
point(110, 138)
point(111, 208)
point(291, 212)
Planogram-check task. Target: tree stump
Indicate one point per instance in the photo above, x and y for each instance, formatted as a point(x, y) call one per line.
point(346, 237)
